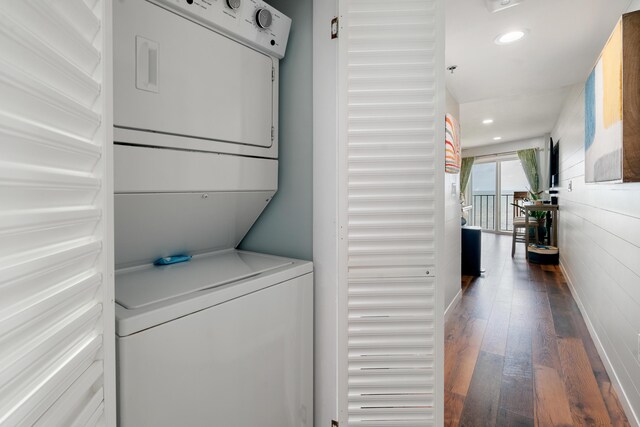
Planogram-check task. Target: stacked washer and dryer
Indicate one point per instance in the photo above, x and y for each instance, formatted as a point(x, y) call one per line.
point(225, 339)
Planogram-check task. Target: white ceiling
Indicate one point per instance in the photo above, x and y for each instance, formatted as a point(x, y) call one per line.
point(521, 86)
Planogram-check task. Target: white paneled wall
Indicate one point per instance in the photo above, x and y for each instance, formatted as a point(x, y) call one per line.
point(450, 272)
point(451, 266)
point(56, 283)
point(600, 252)
point(390, 205)
point(325, 210)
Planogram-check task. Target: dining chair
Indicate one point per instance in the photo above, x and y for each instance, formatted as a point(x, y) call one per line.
point(519, 221)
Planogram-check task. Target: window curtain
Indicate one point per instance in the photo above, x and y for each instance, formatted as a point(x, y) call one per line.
point(529, 161)
point(465, 173)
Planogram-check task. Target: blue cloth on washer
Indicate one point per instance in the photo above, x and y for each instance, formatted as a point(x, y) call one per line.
point(175, 259)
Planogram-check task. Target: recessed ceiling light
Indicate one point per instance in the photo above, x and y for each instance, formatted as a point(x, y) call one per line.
point(497, 138)
point(487, 121)
point(510, 37)
point(498, 5)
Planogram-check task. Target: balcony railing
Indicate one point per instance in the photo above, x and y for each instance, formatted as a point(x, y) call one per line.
point(484, 214)
point(483, 211)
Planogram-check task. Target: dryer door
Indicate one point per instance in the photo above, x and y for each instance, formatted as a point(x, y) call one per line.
point(177, 78)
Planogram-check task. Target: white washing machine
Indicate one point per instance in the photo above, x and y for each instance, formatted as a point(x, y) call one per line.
point(225, 339)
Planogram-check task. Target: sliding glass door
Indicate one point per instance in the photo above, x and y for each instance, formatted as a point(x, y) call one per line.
point(494, 182)
point(512, 180)
point(483, 195)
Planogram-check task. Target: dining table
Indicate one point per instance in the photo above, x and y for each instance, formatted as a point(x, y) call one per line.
point(530, 207)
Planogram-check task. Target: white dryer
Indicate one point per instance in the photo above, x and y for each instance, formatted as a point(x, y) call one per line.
point(225, 339)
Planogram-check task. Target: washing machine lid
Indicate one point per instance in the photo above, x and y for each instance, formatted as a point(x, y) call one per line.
point(149, 285)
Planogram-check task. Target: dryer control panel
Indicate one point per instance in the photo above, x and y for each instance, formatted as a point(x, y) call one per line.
point(250, 21)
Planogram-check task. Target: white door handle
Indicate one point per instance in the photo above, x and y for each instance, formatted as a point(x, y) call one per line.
point(146, 64)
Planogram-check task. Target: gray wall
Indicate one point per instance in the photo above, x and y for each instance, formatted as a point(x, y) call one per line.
point(599, 241)
point(452, 252)
point(285, 227)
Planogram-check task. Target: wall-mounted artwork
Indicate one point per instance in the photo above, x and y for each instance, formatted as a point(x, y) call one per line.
point(453, 157)
point(612, 108)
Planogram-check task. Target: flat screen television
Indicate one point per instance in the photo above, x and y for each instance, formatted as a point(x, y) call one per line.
point(554, 163)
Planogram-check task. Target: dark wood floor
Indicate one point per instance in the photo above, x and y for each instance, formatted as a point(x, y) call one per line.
point(518, 351)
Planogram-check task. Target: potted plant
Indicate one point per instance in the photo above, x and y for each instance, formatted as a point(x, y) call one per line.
point(540, 216)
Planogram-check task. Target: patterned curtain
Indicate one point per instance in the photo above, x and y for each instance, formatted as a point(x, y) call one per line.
point(465, 173)
point(529, 161)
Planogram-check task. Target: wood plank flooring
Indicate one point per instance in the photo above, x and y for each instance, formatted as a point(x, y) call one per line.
point(518, 353)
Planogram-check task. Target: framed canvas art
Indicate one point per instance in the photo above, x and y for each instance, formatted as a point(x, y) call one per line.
point(453, 157)
point(612, 107)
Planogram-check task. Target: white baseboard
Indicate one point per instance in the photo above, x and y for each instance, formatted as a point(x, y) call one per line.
point(453, 304)
point(624, 400)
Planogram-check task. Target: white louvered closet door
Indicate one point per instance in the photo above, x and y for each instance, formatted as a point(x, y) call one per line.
point(56, 280)
point(392, 152)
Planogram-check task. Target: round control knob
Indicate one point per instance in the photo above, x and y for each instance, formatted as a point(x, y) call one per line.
point(263, 18)
point(234, 4)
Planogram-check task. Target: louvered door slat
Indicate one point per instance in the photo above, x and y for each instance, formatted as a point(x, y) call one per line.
point(63, 37)
point(63, 411)
point(56, 367)
point(389, 218)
